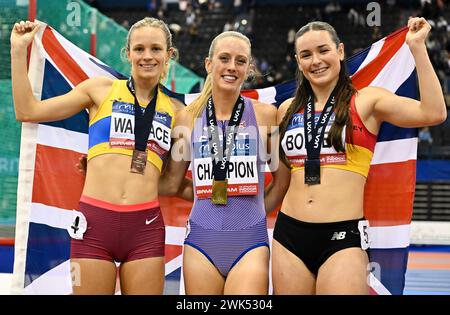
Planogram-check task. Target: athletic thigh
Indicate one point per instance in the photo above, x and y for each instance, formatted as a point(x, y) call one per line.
point(93, 276)
point(289, 273)
point(142, 276)
point(250, 275)
point(344, 272)
point(200, 275)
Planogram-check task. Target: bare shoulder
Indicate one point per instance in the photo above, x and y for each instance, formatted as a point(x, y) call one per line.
point(266, 113)
point(177, 104)
point(183, 117)
point(183, 124)
point(372, 92)
point(97, 88)
point(96, 82)
point(103, 80)
point(285, 105)
point(283, 109)
point(367, 97)
point(264, 107)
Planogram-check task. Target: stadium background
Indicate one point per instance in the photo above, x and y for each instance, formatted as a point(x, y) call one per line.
point(269, 24)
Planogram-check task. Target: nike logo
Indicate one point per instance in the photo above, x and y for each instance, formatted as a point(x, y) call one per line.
point(147, 222)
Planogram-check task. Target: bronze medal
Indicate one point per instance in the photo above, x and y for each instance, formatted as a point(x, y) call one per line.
point(219, 192)
point(312, 172)
point(138, 162)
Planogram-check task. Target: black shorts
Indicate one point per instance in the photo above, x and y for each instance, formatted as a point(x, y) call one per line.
point(314, 243)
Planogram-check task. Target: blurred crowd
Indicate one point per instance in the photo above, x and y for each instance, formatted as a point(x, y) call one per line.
point(188, 18)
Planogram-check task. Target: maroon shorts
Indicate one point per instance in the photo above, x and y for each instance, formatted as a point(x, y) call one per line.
point(120, 233)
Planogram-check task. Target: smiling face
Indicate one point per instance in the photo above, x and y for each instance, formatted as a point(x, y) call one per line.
point(229, 64)
point(148, 53)
point(318, 58)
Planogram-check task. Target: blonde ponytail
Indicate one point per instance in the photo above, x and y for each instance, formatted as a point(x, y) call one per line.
point(199, 104)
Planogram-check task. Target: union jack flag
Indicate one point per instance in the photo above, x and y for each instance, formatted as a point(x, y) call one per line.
point(50, 185)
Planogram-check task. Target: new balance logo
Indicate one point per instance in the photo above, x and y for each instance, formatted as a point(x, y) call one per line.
point(338, 236)
point(147, 222)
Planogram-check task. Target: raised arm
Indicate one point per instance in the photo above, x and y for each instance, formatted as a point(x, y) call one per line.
point(407, 112)
point(173, 181)
point(26, 106)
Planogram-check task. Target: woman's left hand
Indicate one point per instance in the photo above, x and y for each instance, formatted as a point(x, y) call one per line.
point(418, 31)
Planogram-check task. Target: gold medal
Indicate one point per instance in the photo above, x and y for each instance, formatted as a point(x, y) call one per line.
point(138, 162)
point(219, 192)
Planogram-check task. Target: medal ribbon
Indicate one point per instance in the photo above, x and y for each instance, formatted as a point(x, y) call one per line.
point(314, 135)
point(142, 120)
point(220, 153)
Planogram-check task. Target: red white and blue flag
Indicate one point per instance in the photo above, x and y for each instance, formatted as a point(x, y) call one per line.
point(50, 184)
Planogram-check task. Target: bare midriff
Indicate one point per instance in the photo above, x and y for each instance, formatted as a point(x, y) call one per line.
point(109, 179)
point(339, 197)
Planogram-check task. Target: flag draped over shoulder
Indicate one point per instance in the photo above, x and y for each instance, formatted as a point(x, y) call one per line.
point(50, 184)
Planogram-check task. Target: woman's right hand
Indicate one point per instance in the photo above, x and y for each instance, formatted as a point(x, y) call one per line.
point(22, 34)
point(82, 164)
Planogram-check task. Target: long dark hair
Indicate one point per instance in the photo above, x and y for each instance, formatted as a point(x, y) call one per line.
point(344, 92)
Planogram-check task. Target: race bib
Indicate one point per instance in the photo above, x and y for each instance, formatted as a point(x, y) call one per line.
point(78, 225)
point(122, 129)
point(242, 172)
point(294, 144)
point(363, 227)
